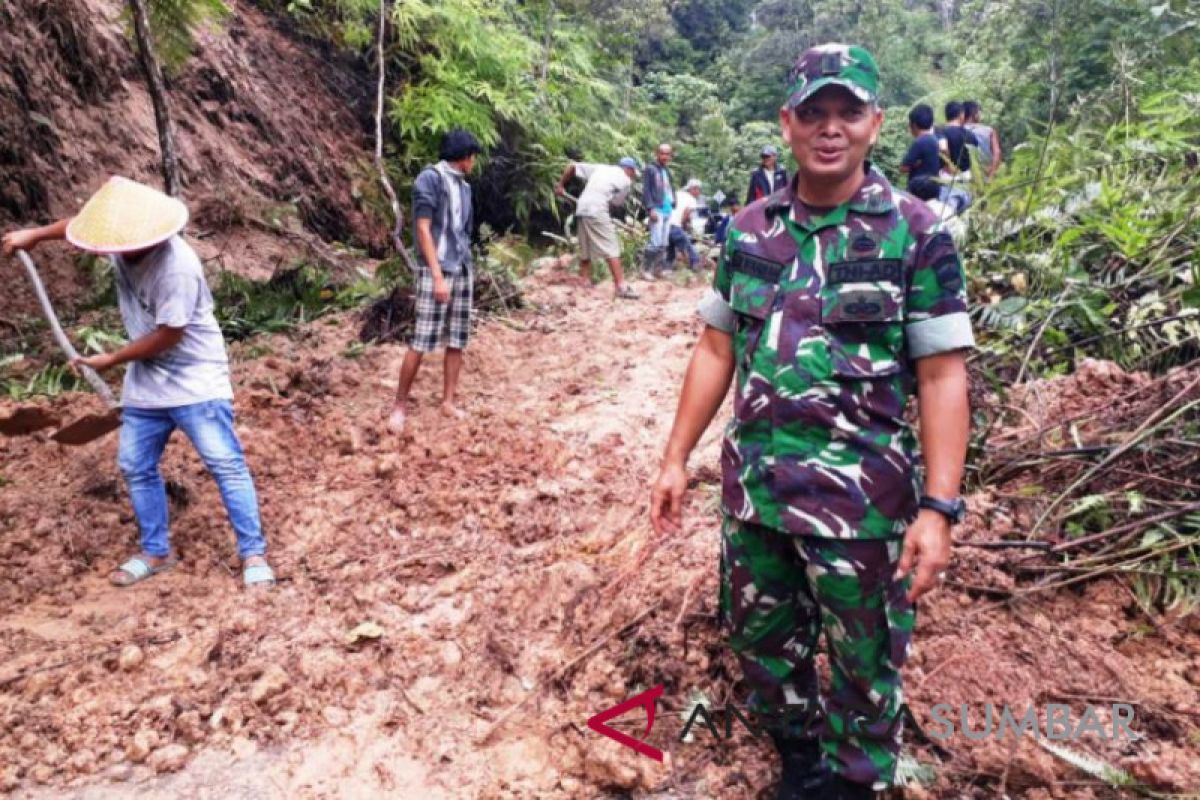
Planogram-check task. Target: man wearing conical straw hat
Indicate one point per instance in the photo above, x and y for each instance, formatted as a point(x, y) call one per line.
point(178, 373)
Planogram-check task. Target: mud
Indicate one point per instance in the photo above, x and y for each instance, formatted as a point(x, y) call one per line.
point(508, 562)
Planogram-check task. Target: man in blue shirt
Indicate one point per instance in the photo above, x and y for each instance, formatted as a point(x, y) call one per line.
point(923, 160)
point(658, 195)
point(444, 285)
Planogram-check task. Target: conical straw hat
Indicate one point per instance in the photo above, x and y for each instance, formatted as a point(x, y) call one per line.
point(124, 216)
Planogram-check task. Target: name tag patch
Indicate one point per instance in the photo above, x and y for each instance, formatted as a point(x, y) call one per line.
point(876, 271)
point(756, 267)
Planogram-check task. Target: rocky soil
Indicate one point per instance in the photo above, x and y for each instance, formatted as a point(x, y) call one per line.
point(455, 604)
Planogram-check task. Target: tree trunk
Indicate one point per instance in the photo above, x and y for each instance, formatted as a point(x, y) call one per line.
point(158, 96)
point(547, 44)
point(380, 164)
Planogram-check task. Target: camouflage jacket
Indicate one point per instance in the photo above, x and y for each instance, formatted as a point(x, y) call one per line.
point(828, 314)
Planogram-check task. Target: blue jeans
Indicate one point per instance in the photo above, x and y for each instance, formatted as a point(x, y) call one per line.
point(144, 434)
point(958, 199)
point(679, 240)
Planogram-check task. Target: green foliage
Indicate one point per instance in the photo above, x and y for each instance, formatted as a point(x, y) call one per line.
point(47, 381)
point(173, 24)
point(1101, 215)
point(293, 297)
point(97, 340)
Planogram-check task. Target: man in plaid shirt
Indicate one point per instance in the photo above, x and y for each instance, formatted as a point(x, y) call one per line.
point(442, 222)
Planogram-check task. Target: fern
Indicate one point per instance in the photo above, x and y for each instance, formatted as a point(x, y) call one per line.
point(173, 25)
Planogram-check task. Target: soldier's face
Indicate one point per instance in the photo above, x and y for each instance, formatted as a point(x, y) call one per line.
point(830, 133)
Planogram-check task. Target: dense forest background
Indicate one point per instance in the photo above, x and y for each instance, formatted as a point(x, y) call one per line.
point(543, 80)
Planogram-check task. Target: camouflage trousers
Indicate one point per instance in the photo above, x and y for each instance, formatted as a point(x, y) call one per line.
point(778, 592)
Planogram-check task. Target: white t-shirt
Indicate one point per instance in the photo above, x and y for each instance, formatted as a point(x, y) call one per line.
point(684, 202)
point(607, 187)
point(167, 287)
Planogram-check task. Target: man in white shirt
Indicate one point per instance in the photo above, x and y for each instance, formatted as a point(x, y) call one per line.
point(607, 188)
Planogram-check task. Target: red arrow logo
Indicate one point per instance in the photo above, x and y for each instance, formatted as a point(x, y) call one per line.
point(647, 699)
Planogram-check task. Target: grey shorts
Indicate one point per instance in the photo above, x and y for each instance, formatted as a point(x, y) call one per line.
point(598, 238)
point(442, 324)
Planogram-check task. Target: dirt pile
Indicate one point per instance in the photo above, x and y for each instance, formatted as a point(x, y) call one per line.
point(512, 586)
point(270, 141)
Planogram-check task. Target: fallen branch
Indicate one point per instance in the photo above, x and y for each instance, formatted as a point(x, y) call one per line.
point(1134, 526)
point(1152, 423)
point(144, 641)
point(563, 670)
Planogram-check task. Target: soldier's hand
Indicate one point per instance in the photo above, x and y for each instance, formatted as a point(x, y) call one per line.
point(666, 498)
point(927, 546)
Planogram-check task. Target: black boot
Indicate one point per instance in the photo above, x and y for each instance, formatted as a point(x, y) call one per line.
point(805, 775)
point(845, 790)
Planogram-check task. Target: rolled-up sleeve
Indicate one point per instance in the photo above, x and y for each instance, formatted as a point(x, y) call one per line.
point(716, 311)
point(936, 318)
point(714, 308)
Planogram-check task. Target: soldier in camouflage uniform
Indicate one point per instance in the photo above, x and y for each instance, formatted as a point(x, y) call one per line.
point(836, 300)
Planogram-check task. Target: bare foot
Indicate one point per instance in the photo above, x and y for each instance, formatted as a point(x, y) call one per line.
point(395, 421)
point(453, 411)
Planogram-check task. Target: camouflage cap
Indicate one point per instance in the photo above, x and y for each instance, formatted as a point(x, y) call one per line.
point(833, 65)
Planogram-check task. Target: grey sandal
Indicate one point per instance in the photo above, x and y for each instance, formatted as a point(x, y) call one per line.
point(139, 569)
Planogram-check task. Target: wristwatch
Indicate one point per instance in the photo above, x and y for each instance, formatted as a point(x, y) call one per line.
point(954, 510)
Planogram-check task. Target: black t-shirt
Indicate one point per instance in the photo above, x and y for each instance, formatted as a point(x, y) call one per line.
point(922, 158)
point(957, 137)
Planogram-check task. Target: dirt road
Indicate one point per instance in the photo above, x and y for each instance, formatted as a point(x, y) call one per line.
point(491, 553)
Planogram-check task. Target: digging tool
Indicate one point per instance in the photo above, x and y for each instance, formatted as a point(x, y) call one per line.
point(86, 428)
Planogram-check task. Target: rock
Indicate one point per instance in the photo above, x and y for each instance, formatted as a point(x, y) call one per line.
point(189, 726)
point(230, 717)
point(83, 761)
point(243, 747)
point(119, 773)
point(42, 773)
point(350, 443)
point(143, 742)
point(287, 720)
point(36, 685)
point(273, 681)
point(131, 658)
point(163, 706)
point(336, 717)
point(170, 758)
point(54, 755)
point(451, 654)
point(9, 781)
point(387, 466)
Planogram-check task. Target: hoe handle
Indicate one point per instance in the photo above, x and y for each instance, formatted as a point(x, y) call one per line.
point(60, 337)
